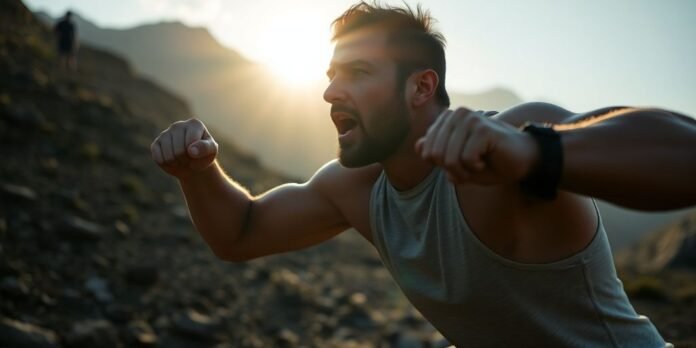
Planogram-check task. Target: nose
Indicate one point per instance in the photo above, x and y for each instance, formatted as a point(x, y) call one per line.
point(334, 92)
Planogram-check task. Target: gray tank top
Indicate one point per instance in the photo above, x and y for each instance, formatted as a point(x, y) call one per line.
point(477, 298)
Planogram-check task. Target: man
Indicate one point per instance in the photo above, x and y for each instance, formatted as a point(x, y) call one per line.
point(484, 225)
point(66, 37)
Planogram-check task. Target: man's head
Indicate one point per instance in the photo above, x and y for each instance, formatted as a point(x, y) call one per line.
point(411, 39)
point(388, 62)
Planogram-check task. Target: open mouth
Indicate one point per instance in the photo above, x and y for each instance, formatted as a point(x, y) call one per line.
point(344, 122)
point(345, 125)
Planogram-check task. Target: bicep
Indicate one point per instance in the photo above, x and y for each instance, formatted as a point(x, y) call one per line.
point(289, 217)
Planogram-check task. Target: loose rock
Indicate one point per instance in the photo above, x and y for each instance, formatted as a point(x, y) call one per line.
point(93, 333)
point(196, 325)
point(142, 334)
point(99, 287)
point(18, 334)
point(19, 192)
point(77, 229)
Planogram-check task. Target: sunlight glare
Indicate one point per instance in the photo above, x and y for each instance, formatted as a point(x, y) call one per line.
point(296, 48)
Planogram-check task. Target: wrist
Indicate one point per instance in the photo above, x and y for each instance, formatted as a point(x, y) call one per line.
point(531, 155)
point(544, 173)
point(200, 174)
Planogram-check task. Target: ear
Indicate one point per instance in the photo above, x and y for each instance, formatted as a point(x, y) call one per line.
point(422, 87)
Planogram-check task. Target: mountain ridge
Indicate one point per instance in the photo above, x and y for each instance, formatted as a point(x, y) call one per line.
point(240, 97)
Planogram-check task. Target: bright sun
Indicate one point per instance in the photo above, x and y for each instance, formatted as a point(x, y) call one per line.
point(296, 48)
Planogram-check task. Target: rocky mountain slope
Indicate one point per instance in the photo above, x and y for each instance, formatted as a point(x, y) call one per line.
point(96, 249)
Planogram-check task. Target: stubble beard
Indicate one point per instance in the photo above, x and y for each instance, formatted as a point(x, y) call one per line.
point(390, 129)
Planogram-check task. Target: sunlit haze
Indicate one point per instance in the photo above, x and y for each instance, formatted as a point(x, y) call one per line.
point(295, 46)
point(580, 54)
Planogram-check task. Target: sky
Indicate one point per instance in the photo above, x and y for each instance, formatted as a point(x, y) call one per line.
point(581, 55)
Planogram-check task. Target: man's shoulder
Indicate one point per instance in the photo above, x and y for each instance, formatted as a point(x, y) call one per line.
point(335, 178)
point(534, 112)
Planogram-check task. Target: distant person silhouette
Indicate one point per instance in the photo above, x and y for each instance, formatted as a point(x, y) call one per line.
point(486, 222)
point(66, 37)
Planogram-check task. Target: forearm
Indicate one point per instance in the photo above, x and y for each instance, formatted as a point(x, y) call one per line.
point(218, 206)
point(643, 159)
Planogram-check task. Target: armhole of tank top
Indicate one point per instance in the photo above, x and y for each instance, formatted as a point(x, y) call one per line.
point(582, 257)
point(376, 235)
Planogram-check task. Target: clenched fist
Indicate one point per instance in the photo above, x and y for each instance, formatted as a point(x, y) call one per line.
point(184, 148)
point(474, 148)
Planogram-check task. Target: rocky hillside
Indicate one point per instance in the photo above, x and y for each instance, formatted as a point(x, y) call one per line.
point(96, 249)
point(659, 274)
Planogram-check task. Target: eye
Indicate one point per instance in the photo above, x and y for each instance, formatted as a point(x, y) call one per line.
point(358, 71)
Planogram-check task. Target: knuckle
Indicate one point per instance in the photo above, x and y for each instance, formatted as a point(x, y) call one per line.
point(177, 125)
point(473, 121)
point(194, 120)
point(479, 128)
point(179, 153)
point(432, 129)
point(462, 111)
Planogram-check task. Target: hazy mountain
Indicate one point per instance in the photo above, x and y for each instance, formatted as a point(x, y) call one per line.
point(494, 99)
point(290, 130)
point(673, 246)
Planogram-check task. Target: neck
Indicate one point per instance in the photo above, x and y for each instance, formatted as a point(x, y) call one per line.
point(405, 168)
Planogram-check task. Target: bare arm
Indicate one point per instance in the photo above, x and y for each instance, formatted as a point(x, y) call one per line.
point(638, 158)
point(635, 157)
point(236, 225)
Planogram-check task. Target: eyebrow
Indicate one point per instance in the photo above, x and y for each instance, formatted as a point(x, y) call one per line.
point(346, 65)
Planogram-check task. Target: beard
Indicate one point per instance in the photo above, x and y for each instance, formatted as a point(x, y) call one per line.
point(388, 128)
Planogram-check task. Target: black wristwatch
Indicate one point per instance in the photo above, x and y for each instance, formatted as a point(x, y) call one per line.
point(543, 181)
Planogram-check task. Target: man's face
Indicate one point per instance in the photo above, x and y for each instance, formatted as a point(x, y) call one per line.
point(367, 104)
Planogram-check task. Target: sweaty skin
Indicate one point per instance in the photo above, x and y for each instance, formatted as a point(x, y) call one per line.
point(612, 158)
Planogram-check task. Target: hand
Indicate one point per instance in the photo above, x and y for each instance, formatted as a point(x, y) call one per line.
point(185, 148)
point(474, 148)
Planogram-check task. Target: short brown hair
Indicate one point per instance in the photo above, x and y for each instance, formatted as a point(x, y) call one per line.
point(417, 45)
